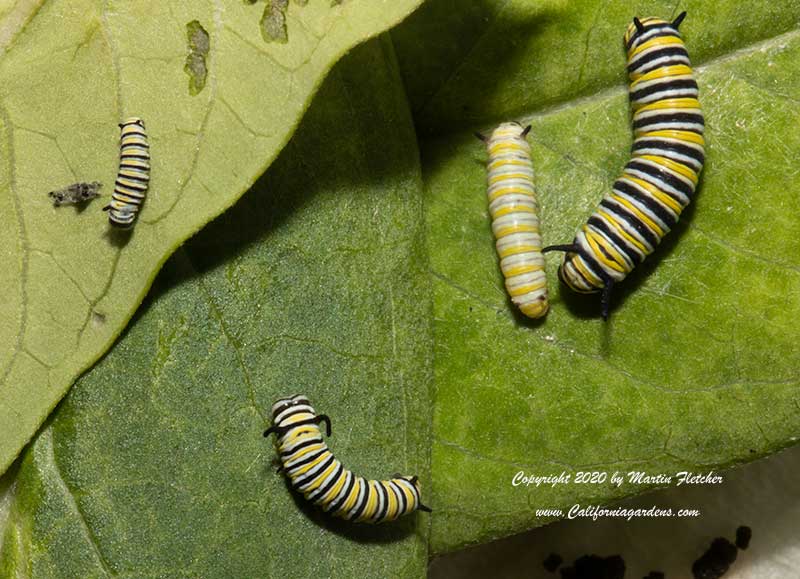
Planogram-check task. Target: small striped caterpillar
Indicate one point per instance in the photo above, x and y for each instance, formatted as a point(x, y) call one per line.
point(315, 472)
point(515, 221)
point(133, 176)
point(659, 180)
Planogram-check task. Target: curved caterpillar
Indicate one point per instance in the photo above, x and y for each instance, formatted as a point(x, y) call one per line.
point(315, 472)
point(515, 221)
point(133, 176)
point(659, 180)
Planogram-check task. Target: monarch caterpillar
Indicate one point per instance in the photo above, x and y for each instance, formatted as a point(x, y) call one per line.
point(133, 176)
point(660, 179)
point(515, 221)
point(313, 470)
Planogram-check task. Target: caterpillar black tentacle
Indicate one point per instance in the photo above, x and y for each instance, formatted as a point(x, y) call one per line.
point(660, 179)
point(133, 177)
point(324, 418)
point(677, 22)
point(314, 471)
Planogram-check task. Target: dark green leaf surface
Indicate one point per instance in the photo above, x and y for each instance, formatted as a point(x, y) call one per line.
point(154, 465)
point(475, 61)
point(70, 70)
point(698, 367)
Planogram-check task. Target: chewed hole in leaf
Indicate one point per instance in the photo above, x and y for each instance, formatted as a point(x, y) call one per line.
point(98, 318)
point(196, 65)
point(273, 22)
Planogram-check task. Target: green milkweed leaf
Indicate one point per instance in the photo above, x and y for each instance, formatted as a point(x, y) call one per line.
point(69, 72)
point(698, 366)
point(314, 283)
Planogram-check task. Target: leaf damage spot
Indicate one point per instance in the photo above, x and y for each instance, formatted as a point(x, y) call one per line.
point(273, 22)
point(196, 64)
point(98, 318)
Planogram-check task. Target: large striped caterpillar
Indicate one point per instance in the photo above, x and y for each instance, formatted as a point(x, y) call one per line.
point(133, 176)
point(315, 472)
point(515, 220)
point(659, 180)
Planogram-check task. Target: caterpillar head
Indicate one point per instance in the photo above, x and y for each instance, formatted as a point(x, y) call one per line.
point(638, 27)
point(414, 480)
point(510, 129)
point(289, 402)
point(119, 218)
point(132, 121)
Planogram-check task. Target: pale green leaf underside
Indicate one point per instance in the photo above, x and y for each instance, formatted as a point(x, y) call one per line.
point(154, 465)
point(698, 367)
point(70, 72)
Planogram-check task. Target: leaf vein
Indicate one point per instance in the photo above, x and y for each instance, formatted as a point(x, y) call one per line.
point(23, 243)
point(743, 251)
point(184, 256)
point(69, 495)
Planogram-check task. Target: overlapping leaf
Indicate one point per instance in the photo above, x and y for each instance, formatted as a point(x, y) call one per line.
point(69, 72)
point(154, 465)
